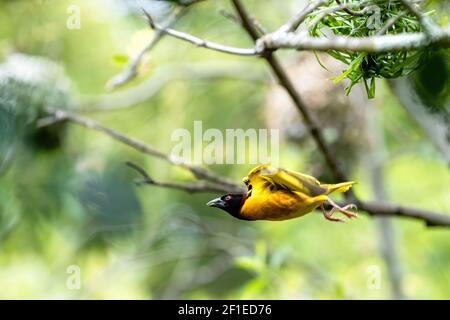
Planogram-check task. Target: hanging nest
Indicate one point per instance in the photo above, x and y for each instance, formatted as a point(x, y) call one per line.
point(364, 19)
point(29, 85)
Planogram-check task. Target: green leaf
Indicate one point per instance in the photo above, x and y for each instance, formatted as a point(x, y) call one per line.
point(120, 59)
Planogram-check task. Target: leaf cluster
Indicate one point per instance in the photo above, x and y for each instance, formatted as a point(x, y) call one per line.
point(364, 19)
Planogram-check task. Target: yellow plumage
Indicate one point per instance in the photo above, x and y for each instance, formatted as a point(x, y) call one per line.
point(279, 194)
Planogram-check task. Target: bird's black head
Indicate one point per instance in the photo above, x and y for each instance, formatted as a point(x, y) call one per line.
point(230, 203)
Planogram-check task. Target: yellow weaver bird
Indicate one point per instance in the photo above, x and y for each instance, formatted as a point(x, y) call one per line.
point(278, 194)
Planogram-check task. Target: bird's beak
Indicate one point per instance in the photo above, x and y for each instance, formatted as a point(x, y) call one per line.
point(218, 203)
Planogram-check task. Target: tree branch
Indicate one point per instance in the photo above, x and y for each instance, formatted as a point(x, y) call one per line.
point(232, 17)
point(390, 23)
point(432, 219)
point(431, 29)
point(200, 187)
point(285, 38)
point(56, 116)
point(377, 43)
point(346, 8)
point(200, 42)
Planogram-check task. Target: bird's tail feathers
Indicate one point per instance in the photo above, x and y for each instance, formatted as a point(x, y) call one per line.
point(339, 187)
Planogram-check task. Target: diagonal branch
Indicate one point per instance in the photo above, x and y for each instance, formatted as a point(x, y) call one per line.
point(232, 17)
point(294, 22)
point(390, 23)
point(199, 187)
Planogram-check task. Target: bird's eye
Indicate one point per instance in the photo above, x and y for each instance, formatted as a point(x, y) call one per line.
point(227, 198)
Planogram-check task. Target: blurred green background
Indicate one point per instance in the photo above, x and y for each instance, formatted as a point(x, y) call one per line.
point(75, 204)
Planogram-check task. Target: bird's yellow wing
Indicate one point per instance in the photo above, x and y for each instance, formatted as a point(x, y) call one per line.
point(285, 179)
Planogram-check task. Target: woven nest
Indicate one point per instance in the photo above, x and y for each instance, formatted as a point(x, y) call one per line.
point(29, 85)
point(365, 19)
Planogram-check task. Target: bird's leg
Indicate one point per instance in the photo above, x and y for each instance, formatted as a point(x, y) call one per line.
point(328, 215)
point(343, 210)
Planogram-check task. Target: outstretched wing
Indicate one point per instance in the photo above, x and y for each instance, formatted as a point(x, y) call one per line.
point(285, 179)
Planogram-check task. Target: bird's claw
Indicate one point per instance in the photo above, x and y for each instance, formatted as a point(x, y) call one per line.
point(330, 218)
point(343, 210)
point(349, 214)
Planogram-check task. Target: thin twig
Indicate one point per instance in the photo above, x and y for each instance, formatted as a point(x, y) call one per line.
point(432, 219)
point(294, 22)
point(230, 16)
point(131, 70)
point(390, 23)
point(199, 187)
point(350, 11)
point(431, 29)
point(199, 41)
